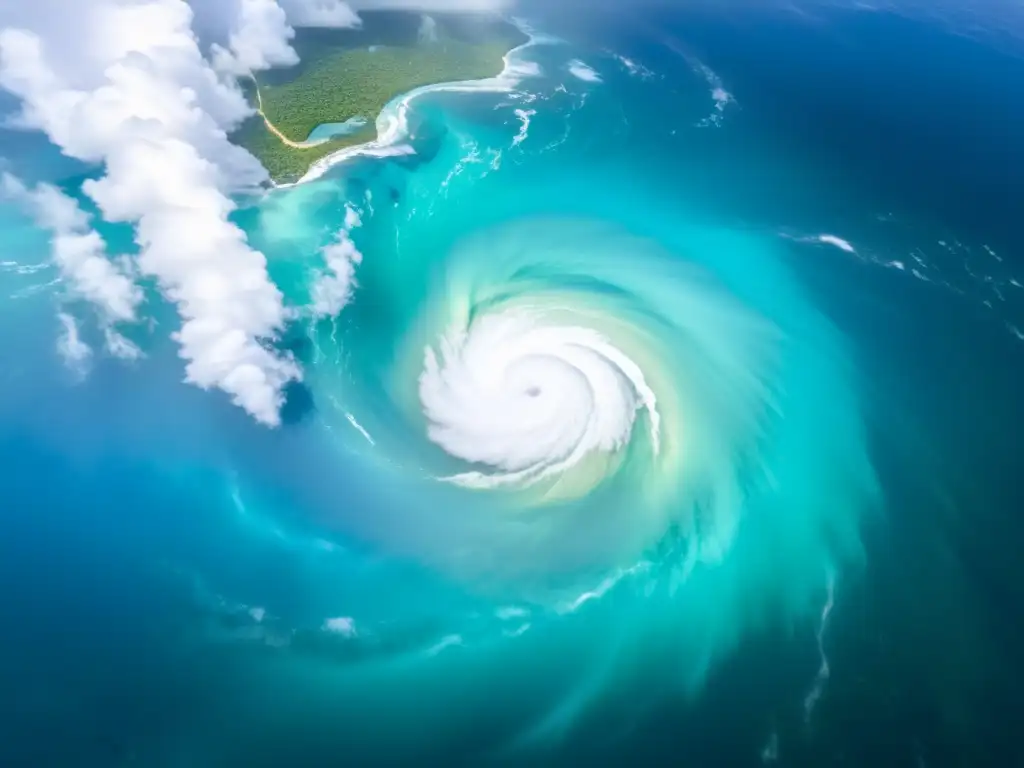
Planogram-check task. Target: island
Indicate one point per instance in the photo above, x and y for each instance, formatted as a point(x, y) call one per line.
point(331, 99)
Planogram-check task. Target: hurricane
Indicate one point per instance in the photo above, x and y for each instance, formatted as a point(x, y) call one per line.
point(625, 426)
point(551, 386)
point(609, 432)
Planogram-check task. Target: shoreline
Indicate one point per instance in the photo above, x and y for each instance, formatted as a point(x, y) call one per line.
point(392, 123)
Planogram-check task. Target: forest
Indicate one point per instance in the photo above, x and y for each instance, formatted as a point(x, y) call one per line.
point(334, 84)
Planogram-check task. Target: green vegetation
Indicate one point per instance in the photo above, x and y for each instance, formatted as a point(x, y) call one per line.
point(285, 163)
point(334, 84)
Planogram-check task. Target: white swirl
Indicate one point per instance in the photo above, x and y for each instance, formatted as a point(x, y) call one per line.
point(530, 397)
point(608, 399)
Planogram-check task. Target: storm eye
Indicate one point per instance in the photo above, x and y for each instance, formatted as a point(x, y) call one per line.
point(533, 392)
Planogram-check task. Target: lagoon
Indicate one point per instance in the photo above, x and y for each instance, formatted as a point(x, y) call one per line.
point(326, 131)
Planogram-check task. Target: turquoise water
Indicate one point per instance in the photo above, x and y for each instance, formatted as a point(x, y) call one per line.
point(330, 130)
point(629, 428)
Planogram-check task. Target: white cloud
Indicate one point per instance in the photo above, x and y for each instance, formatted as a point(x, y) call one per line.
point(260, 40)
point(333, 288)
point(451, 6)
point(342, 625)
point(338, 13)
point(76, 353)
point(634, 67)
point(428, 29)
point(123, 86)
point(78, 250)
point(79, 253)
point(258, 32)
point(119, 346)
point(838, 242)
point(134, 95)
point(582, 71)
point(320, 13)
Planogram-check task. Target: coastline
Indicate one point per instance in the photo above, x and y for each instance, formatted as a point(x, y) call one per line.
point(392, 123)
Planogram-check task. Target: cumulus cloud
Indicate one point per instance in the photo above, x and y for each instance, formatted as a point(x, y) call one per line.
point(119, 346)
point(130, 92)
point(439, 6)
point(320, 13)
point(264, 27)
point(838, 242)
point(583, 71)
point(262, 30)
point(76, 353)
point(78, 251)
point(333, 287)
point(342, 625)
point(260, 40)
point(337, 13)
point(428, 30)
point(124, 86)
point(80, 254)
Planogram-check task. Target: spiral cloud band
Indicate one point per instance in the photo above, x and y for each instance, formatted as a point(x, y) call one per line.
point(588, 397)
point(529, 398)
point(606, 441)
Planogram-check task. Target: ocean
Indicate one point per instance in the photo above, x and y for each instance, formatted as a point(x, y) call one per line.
point(661, 405)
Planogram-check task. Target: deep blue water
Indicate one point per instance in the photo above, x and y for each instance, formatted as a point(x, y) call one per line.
point(145, 519)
